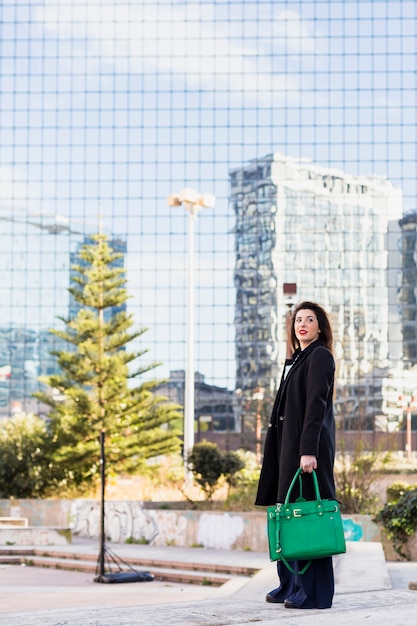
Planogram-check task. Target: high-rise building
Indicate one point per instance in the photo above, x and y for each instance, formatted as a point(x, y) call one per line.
point(213, 405)
point(335, 238)
point(408, 291)
point(119, 246)
point(34, 295)
point(18, 368)
point(35, 255)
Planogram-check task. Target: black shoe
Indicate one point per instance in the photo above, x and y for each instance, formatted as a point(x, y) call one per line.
point(271, 598)
point(290, 605)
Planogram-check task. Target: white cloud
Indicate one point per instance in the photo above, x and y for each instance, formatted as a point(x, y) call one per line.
point(185, 40)
point(295, 32)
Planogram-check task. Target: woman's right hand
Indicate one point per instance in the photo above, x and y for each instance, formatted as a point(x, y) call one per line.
point(308, 463)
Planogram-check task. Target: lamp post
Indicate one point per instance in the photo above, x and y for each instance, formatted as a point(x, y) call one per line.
point(258, 396)
point(408, 403)
point(290, 291)
point(192, 201)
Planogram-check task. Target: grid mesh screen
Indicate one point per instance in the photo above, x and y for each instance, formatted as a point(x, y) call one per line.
point(300, 117)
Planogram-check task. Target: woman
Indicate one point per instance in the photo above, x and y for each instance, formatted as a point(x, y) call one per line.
point(301, 433)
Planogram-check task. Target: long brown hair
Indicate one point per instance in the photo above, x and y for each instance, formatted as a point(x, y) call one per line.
point(326, 334)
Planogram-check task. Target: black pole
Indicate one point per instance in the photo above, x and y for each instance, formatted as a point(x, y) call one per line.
point(125, 572)
point(103, 488)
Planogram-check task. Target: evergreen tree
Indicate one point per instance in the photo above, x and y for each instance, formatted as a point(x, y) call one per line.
point(92, 393)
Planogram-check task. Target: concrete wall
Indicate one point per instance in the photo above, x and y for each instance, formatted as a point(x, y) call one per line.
point(129, 520)
point(35, 536)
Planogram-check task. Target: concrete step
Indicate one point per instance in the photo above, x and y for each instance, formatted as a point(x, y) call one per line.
point(172, 575)
point(12, 551)
point(11, 555)
point(164, 570)
point(217, 568)
point(12, 559)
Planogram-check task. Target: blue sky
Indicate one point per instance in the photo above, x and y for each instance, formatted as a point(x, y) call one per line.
point(107, 107)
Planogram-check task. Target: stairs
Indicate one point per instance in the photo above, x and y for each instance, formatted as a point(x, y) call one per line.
point(161, 569)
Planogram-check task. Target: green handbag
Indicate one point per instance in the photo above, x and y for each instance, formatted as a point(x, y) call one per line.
point(304, 530)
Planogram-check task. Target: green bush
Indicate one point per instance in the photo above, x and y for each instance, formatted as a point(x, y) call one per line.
point(396, 490)
point(242, 497)
point(25, 467)
point(208, 464)
point(355, 475)
point(232, 464)
point(400, 519)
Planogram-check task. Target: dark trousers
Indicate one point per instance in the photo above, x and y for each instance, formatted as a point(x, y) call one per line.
point(312, 590)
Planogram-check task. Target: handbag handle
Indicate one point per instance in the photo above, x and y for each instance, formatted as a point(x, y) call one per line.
point(319, 504)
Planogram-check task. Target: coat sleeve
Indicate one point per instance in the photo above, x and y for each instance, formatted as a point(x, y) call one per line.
point(319, 388)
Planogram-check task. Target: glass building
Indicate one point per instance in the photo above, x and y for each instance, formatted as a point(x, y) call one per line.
point(408, 290)
point(300, 118)
point(36, 258)
point(336, 238)
point(119, 247)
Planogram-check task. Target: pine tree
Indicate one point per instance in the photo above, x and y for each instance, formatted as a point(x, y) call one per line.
point(93, 393)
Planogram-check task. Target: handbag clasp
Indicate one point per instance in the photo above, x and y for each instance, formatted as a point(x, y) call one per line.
point(296, 512)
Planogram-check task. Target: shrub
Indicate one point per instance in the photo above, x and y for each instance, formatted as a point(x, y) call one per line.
point(26, 470)
point(243, 496)
point(355, 475)
point(232, 464)
point(400, 519)
point(396, 490)
point(208, 464)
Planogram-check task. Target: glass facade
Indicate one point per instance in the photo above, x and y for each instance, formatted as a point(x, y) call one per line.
point(300, 118)
point(337, 239)
point(119, 247)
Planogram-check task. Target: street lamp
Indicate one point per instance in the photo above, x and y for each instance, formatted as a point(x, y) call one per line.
point(193, 201)
point(290, 291)
point(258, 395)
point(408, 403)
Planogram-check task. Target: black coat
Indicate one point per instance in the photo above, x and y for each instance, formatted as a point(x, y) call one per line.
point(302, 422)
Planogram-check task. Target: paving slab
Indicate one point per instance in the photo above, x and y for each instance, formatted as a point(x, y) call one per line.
point(382, 608)
point(38, 589)
point(364, 594)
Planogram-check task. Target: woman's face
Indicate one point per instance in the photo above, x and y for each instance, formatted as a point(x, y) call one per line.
point(306, 327)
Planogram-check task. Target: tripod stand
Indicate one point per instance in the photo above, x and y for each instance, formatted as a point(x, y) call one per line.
point(110, 567)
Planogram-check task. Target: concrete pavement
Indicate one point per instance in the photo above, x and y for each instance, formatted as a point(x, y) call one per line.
point(368, 591)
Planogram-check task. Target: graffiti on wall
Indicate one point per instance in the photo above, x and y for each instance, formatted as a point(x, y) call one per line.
point(173, 529)
point(33, 536)
point(129, 520)
point(219, 531)
point(123, 520)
